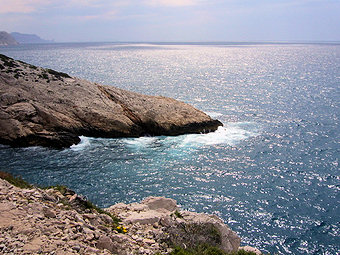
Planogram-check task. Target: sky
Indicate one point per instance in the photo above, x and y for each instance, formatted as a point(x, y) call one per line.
point(173, 20)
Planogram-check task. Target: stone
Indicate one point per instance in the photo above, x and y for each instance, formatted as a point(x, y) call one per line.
point(149, 241)
point(49, 108)
point(250, 249)
point(49, 213)
point(105, 242)
point(157, 203)
point(149, 217)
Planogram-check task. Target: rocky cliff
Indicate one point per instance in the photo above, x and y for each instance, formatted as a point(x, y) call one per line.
point(48, 108)
point(7, 39)
point(58, 221)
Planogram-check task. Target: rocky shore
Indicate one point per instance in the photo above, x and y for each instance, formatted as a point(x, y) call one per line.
point(49, 108)
point(58, 221)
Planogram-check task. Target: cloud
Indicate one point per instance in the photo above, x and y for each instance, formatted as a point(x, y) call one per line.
point(172, 3)
point(21, 6)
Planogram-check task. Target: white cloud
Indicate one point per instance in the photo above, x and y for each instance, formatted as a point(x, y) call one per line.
point(21, 6)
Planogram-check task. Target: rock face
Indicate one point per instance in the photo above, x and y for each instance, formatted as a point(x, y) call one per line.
point(7, 39)
point(48, 108)
point(36, 221)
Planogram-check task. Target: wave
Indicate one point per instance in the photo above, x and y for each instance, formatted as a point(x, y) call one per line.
point(84, 142)
point(144, 141)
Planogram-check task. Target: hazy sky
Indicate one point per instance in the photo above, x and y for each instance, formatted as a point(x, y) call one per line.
point(174, 20)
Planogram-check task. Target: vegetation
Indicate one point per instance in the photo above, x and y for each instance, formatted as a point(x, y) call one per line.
point(206, 250)
point(58, 74)
point(15, 180)
point(9, 62)
point(177, 214)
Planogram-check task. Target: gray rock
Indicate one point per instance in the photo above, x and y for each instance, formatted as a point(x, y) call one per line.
point(48, 108)
point(105, 242)
point(49, 213)
point(251, 249)
point(157, 203)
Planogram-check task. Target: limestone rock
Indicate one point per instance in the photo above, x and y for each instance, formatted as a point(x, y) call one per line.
point(251, 249)
point(48, 108)
point(160, 203)
point(105, 242)
point(162, 221)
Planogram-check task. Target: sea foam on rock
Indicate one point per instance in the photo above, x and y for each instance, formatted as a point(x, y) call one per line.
point(48, 108)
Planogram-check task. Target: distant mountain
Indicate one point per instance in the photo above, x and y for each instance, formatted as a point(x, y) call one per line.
point(7, 39)
point(29, 38)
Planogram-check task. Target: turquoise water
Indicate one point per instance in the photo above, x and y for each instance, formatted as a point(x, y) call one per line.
point(271, 172)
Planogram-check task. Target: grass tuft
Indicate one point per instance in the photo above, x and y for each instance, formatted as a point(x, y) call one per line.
point(15, 180)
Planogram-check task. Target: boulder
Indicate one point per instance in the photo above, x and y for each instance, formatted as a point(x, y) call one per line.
point(160, 203)
point(49, 108)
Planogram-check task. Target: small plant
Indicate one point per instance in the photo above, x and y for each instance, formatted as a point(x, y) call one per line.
point(61, 188)
point(15, 180)
point(45, 76)
point(121, 229)
point(58, 74)
point(178, 214)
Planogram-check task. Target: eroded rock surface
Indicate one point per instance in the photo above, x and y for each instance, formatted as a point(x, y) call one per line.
point(48, 108)
point(37, 221)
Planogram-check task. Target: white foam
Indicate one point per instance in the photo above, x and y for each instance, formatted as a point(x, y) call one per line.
point(141, 141)
point(84, 142)
point(231, 134)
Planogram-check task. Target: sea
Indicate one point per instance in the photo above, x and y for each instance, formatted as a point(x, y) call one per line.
point(271, 172)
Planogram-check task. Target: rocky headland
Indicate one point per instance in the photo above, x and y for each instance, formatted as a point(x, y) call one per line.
point(48, 108)
point(7, 39)
point(56, 220)
point(28, 38)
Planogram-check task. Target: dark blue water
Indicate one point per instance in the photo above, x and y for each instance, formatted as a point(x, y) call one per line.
point(272, 172)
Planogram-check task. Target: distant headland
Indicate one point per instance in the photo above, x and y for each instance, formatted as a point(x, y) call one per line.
point(16, 38)
point(7, 39)
point(29, 38)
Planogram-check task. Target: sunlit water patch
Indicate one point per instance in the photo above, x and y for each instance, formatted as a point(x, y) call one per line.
point(272, 171)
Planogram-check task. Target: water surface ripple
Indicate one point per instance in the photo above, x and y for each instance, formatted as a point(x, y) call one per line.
point(271, 172)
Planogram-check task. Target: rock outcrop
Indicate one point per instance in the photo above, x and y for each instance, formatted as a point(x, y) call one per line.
point(48, 108)
point(179, 228)
point(58, 221)
point(7, 39)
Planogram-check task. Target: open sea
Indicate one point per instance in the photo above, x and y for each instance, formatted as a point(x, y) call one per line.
point(271, 173)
